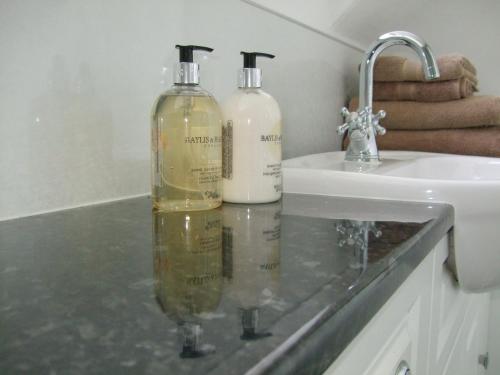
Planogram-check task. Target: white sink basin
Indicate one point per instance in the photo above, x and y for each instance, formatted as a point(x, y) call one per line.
point(471, 184)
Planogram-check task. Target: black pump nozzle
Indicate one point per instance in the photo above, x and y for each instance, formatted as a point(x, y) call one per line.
point(186, 52)
point(249, 58)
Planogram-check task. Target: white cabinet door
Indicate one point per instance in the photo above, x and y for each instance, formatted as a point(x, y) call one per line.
point(449, 305)
point(471, 340)
point(459, 324)
point(429, 322)
point(399, 331)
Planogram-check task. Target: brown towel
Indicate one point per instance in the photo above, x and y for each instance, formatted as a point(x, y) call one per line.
point(397, 68)
point(471, 112)
point(424, 91)
point(477, 141)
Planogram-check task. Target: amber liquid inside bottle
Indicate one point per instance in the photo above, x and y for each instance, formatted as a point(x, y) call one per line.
point(186, 150)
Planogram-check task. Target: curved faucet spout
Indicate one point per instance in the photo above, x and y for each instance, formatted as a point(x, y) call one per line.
point(362, 126)
point(393, 38)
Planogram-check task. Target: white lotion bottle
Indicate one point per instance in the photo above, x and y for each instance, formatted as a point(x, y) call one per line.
point(251, 139)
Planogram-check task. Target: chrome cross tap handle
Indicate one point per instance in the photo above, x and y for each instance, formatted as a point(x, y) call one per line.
point(361, 127)
point(353, 121)
point(379, 130)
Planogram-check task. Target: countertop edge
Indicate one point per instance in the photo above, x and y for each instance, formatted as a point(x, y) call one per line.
point(316, 354)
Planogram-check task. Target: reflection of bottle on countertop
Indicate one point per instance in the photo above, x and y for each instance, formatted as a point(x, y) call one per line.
point(188, 271)
point(252, 139)
point(186, 140)
point(251, 251)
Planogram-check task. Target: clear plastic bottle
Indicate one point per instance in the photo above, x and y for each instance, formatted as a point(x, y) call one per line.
point(186, 127)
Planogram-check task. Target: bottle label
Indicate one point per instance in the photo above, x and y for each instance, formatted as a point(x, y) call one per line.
point(272, 167)
point(276, 138)
point(258, 154)
point(204, 140)
point(190, 162)
point(274, 171)
point(227, 150)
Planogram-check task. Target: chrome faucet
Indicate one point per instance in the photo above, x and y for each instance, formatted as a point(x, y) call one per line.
point(363, 125)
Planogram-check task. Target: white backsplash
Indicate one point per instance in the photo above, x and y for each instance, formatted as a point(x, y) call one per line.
point(78, 79)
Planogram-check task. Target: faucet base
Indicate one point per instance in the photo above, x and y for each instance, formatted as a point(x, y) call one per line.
point(360, 163)
point(362, 157)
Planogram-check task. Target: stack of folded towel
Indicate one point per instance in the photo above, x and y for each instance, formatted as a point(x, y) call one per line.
point(434, 116)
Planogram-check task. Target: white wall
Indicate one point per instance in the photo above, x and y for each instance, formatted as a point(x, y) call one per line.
point(310, 76)
point(78, 79)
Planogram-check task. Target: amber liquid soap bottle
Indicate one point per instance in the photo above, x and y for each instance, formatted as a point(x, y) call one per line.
point(186, 139)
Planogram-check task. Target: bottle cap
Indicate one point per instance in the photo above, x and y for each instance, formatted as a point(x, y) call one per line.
point(186, 71)
point(250, 75)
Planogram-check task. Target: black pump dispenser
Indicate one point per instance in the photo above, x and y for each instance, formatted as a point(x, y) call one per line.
point(187, 71)
point(249, 58)
point(186, 52)
point(251, 76)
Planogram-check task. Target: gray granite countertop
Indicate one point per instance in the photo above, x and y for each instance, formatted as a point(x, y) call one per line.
point(276, 288)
